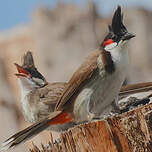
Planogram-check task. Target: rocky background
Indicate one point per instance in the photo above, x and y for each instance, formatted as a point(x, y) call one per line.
point(60, 39)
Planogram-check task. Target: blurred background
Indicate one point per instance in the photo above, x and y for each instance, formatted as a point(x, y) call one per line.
point(61, 33)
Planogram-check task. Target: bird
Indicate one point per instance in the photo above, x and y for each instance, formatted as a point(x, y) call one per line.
point(38, 97)
point(92, 88)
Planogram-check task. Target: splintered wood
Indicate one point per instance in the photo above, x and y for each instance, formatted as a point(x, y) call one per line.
point(128, 132)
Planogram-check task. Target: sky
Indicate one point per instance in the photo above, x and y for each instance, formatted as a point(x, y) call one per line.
point(16, 12)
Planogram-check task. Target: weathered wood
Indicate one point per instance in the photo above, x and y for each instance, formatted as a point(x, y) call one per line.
point(128, 132)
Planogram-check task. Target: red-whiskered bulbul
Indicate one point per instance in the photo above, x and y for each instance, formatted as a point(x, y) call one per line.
point(38, 97)
point(92, 88)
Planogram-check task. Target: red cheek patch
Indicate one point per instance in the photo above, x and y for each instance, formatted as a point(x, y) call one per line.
point(107, 42)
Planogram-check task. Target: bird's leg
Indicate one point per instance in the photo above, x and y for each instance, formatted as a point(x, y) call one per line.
point(116, 108)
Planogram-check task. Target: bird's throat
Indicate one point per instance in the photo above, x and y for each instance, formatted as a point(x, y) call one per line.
point(25, 89)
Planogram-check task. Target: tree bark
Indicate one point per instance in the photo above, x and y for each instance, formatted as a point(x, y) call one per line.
point(128, 132)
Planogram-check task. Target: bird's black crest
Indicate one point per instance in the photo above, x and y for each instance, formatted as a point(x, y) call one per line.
point(28, 65)
point(117, 26)
point(28, 60)
point(34, 72)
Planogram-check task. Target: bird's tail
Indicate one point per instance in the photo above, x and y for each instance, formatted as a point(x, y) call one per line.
point(54, 119)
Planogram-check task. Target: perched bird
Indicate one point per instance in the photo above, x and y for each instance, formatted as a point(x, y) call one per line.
point(38, 97)
point(92, 88)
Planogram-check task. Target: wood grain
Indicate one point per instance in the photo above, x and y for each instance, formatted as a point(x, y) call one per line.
point(128, 132)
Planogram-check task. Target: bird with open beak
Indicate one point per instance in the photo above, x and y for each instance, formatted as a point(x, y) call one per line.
point(92, 88)
point(38, 97)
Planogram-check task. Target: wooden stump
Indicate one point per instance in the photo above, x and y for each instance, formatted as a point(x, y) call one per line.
point(128, 132)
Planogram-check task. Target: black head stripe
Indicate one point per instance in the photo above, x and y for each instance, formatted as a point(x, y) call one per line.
point(110, 67)
point(108, 63)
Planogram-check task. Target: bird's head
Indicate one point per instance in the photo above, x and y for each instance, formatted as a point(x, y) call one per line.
point(28, 75)
point(118, 34)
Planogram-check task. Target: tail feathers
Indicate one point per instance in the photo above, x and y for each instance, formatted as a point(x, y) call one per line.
point(23, 135)
point(30, 131)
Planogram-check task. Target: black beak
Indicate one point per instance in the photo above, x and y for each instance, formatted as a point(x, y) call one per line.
point(128, 36)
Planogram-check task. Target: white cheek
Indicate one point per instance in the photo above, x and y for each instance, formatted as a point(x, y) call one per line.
point(26, 84)
point(123, 43)
point(24, 90)
point(110, 46)
point(39, 81)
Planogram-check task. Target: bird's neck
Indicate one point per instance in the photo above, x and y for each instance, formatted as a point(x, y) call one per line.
point(114, 59)
point(120, 59)
point(25, 90)
point(119, 53)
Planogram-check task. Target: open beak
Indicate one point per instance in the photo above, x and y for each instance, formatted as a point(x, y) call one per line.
point(21, 71)
point(128, 36)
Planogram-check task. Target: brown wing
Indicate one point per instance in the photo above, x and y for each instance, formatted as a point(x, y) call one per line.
point(79, 78)
point(51, 93)
point(48, 95)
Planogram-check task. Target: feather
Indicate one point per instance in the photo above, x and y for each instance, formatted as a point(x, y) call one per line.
point(117, 22)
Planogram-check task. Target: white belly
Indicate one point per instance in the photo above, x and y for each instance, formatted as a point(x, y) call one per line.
point(105, 93)
point(28, 112)
point(99, 93)
point(95, 98)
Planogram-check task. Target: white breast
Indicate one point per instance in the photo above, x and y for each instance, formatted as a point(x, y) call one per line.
point(27, 111)
point(99, 93)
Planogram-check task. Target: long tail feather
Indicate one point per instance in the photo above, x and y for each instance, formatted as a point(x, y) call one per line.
point(33, 130)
